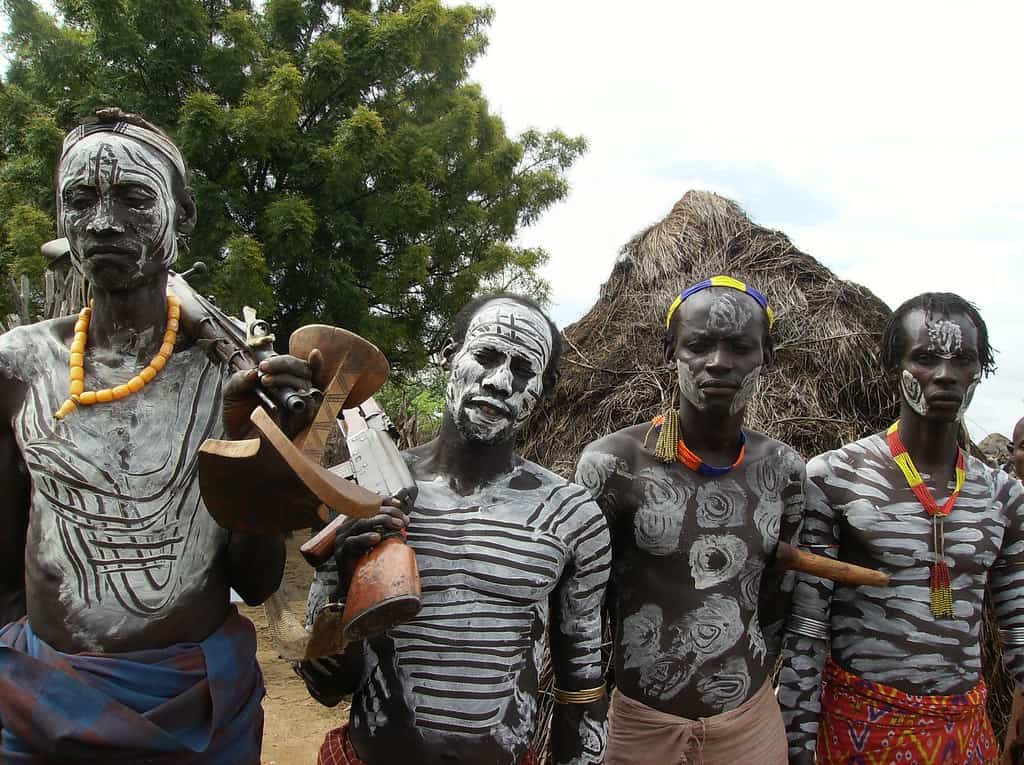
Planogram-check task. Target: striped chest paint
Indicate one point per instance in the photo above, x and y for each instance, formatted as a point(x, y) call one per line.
point(468, 663)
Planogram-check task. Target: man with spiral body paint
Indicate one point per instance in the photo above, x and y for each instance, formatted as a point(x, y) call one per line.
point(506, 551)
point(694, 522)
point(893, 675)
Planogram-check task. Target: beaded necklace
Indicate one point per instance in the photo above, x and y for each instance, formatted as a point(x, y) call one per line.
point(79, 396)
point(939, 586)
point(695, 463)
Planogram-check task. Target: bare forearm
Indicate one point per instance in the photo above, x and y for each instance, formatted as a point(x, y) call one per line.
point(800, 694)
point(255, 565)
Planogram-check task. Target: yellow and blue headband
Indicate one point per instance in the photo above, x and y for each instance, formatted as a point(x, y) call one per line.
point(722, 281)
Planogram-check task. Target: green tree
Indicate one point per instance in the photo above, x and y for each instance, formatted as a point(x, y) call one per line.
point(339, 153)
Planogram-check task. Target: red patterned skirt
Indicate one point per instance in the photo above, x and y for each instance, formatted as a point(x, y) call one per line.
point(866, 723)
point(337, 750)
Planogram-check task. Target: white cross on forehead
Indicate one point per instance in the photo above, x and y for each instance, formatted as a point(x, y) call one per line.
point(514, 324)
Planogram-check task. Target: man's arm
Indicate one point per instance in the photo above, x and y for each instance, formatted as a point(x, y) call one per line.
point(805, 644)
point(14, 505)
point(1007, 588)
point(579, 731)
point(776, 585)
point(331, 678)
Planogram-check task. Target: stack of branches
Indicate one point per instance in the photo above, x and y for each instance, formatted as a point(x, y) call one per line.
point(64, 293)
point(825, 389)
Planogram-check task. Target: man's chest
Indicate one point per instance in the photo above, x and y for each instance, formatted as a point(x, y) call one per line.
point(897, 532)
point(710, 525)
point(494, 547)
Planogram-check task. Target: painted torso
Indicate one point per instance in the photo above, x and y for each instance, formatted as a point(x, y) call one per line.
point(120, 544)
point(889, 635)
point(689, 557)
point(459, 682)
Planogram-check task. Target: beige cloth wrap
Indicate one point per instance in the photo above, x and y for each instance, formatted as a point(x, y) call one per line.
point(751, 734)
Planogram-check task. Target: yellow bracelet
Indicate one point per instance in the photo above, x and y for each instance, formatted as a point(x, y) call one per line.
point(586, 696)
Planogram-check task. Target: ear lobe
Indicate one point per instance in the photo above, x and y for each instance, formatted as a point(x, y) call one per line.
point(186, 213)
point(449, 350)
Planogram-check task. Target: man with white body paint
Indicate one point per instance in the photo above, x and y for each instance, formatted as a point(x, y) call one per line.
point(694, 525)
point(131, 651)
point(506, 551)
point(893, 675)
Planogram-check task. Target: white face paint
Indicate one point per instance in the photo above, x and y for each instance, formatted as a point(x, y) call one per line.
point(706, 321)
point(497, 375)
point(912, 393)
point(944, 338)
point(746, 391)
point(116, 205)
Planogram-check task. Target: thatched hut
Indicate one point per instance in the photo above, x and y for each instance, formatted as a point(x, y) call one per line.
point(825, 389)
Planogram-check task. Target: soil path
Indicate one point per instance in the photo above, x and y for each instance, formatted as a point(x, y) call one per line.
point(294, 723)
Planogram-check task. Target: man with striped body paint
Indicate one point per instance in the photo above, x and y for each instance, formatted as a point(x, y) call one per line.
point(694, 524)
point(506, 551)
point(131, 650)
point(893, 675)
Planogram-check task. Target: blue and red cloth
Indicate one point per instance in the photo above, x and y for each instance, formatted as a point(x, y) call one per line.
point(869, 723)
point(188, 703)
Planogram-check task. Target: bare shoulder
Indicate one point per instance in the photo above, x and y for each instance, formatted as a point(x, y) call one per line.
point(625, 444)
point(22, 346)
point(26, 353)
point(786, 459)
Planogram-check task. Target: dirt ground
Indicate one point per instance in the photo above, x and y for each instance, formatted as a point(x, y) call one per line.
point(294, 723)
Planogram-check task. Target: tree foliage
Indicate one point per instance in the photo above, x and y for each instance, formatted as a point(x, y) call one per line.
point(339, 153)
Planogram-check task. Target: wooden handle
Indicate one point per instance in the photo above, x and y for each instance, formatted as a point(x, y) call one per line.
point(320, 546)
point(789, 557)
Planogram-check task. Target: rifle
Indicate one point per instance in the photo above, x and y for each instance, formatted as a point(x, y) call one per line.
point(385, 586)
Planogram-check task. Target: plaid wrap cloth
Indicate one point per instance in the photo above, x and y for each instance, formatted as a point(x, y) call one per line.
point(866, 723)
point(189, 703)
point(337, 750)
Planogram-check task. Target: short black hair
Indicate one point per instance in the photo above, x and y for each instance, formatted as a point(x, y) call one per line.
point(894, 338)
point(767, 341)
point(460, 325)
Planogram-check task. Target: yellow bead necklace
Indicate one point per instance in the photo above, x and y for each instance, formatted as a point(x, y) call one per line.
point(80, 396)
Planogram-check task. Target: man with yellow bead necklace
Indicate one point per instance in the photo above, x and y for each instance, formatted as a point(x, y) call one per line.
point(120, 640)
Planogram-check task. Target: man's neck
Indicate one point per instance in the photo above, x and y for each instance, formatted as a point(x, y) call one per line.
point(467, 465)
point(932, 444)
point(712, 436)
point(119, 316)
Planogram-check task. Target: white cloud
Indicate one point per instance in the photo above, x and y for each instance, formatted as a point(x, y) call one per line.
point(882, 137)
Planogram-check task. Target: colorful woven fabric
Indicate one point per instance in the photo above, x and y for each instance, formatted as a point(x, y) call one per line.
point(866, 723)
point(189, 703)
point(722, 281)
point(337, 750)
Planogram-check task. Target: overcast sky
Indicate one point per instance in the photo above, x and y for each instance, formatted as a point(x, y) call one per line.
point(886, 139)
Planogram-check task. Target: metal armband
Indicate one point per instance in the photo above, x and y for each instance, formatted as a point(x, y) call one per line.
point(812, 628)
point(586, 696)
point(1013, 636)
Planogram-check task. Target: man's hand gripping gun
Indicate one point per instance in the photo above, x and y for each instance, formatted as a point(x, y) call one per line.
point(385, 584)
